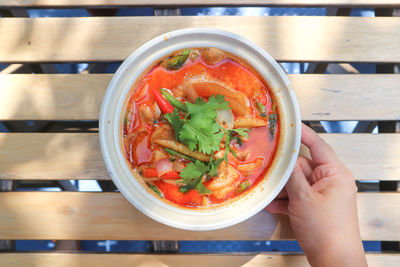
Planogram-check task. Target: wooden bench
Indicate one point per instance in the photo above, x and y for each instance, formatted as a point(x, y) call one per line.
point(77, 97)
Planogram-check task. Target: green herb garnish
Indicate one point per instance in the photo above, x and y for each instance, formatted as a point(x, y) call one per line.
point(243, 186)
point(192, 175)
point(176, 122)
point(177, 61)
point(197, 128)
point(261, 109)
point(272, 118)
point(200, 130)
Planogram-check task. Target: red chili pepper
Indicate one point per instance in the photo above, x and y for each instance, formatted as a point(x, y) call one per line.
point(152, 172)
point(162, 103)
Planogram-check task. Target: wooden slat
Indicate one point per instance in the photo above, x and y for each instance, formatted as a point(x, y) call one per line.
point(52, 96)
point(98, 216)
point(296, 38)
point(122, 3)
point(78, 97)
point(58, 156)
point(110, 260)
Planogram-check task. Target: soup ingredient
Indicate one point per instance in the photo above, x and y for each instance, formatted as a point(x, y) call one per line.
point(237, 100)
point(182, 149)
point(192, 176)
point(171, 192)
point(153, 173)
point(171, 175)
point(175, 62)
point(143, 153)
point(225, 118)
point(261, 109)
point(155, 189)
point(172, 100)
point(163, 166)
point(176, 122)
point(225, 182)
point(212, 55)
point(249, 122)
point(199, 130)
point(177, 154)
point(248, 167)
point(243, 186)
point(272, 117)
point(162, 103)
point(230, 135)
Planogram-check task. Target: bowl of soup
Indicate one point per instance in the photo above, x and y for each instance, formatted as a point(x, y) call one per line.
point(199, 129)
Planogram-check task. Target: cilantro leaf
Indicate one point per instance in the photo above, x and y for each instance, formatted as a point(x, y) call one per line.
point(214, 164)
point(176, 122)
point(201, 130)
point(209, 108)
point(184, 188)
point(242, 131)
point(192, 175)
point(192, 171)
point(202, 189)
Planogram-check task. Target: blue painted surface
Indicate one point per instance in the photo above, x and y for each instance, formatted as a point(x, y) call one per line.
point(185, 246)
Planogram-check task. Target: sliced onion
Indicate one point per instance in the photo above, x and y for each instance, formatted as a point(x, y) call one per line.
point(163, 166)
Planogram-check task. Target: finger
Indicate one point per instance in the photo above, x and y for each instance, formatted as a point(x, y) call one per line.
point(306, 165)
point(321, 152)
point(278, 207)
point(282, 194)
point(298, 186)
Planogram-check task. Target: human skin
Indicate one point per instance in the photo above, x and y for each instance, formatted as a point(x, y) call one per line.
point(320, 199)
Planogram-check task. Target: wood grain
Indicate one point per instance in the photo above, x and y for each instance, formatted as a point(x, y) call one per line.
point(110, 260)
point(290, 38)
point(79, 97)
point(59, 156)
point(103, 216)
point(52, 96)
point(157, 3)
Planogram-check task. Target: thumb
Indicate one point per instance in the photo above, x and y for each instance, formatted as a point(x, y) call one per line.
point(298, 187)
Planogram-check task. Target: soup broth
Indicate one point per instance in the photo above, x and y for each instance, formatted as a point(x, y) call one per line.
point(200, 127)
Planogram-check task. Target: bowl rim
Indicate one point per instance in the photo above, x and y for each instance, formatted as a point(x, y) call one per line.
point(103, 123)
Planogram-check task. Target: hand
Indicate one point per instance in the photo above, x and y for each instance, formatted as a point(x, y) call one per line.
point(320, 199)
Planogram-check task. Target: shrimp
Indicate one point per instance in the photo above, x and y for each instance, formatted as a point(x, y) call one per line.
point(225, 182)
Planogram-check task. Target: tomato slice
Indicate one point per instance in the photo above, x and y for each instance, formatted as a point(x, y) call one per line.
point(171, 192)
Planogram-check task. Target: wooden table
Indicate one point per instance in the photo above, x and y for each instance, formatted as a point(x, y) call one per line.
point(77, 97)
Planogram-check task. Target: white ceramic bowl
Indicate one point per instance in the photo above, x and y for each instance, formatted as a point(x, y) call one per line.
point(240, 208)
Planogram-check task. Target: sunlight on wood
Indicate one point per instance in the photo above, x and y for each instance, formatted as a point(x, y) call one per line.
point(290, 38)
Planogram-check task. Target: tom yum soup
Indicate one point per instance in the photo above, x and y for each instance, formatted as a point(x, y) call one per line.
point(200, 127)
